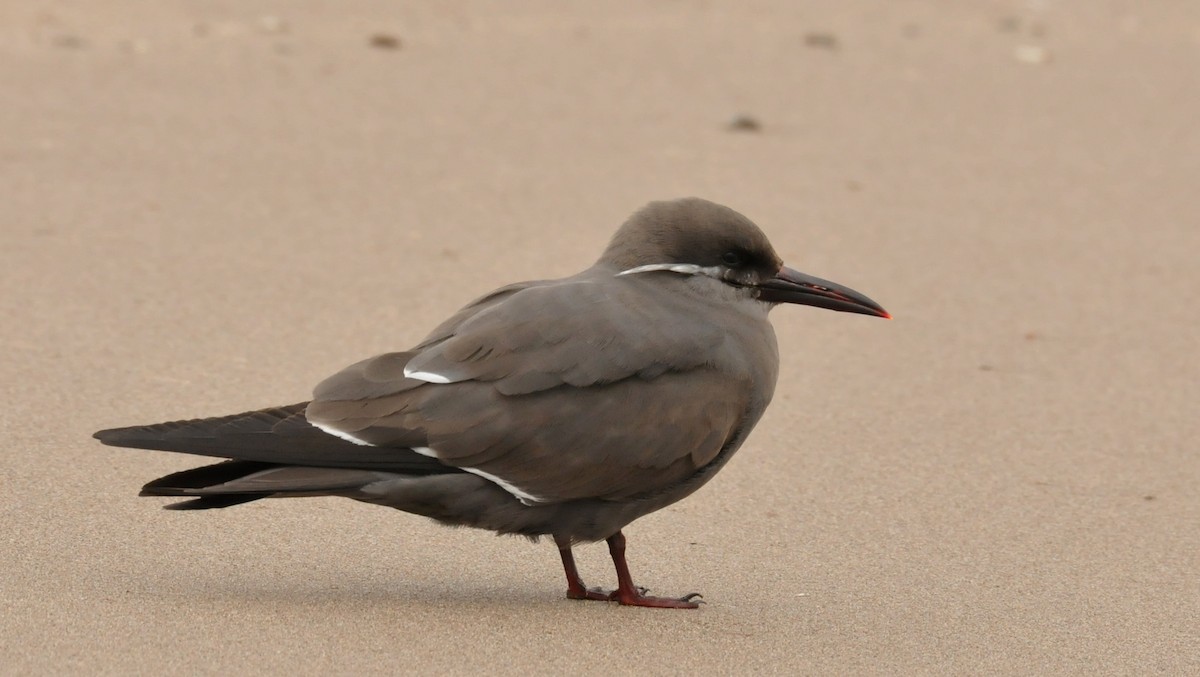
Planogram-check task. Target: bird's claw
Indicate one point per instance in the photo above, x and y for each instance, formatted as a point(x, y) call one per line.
point(614, 595)
point(638, 597)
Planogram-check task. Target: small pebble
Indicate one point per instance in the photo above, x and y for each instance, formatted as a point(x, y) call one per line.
point(384, 41)
point(68, 42)
point(821, 40)
point(744, 123)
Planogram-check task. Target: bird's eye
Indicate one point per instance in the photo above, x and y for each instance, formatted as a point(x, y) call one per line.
point(732, 258)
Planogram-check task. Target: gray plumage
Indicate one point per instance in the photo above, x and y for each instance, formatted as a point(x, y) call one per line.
point(566, 408)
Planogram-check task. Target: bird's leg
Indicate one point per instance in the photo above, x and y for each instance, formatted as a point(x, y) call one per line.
point(629, 594)
point(575, 587)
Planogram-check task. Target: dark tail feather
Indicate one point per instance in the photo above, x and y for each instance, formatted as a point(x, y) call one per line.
point(277, 435)
point(210, 502)
point(235, 482)
point(186, 483)
point(275, 452)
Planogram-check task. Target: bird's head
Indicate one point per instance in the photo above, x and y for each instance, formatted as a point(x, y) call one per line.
point(692, 236)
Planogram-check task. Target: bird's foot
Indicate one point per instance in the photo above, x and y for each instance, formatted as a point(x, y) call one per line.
point(626, 594)
point(638, 597)
point(598, 594)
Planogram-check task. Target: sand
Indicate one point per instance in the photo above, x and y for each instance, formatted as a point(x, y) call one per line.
point(208, 208)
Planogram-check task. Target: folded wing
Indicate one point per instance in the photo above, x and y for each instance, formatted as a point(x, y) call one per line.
point(557, 392)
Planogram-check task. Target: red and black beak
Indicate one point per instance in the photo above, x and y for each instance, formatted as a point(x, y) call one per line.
point(792, 286)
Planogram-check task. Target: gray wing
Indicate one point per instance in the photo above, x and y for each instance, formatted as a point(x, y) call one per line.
point(611, 441)
point(557, 392)
point(578, 332)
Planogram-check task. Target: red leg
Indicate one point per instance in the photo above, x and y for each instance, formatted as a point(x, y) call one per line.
point(629, 594)
point(575, 587)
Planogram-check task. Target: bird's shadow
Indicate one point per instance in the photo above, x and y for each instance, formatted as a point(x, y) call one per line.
point(360, 595)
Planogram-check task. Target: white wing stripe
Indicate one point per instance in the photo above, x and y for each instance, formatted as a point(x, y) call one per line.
point(338, 433)
point(427, 376)
point(523, 496)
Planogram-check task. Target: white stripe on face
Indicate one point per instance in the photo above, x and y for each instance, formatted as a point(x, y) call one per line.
point(681, 268)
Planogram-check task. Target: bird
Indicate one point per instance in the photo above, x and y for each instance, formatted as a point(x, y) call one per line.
point(563, 408)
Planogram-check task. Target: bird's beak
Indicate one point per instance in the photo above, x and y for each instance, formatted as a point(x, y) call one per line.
point(792, 286)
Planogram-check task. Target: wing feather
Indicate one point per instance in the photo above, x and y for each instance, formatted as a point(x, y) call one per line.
point(278, 435)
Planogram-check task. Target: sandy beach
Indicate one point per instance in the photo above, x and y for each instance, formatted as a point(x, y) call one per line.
point(208, 208)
